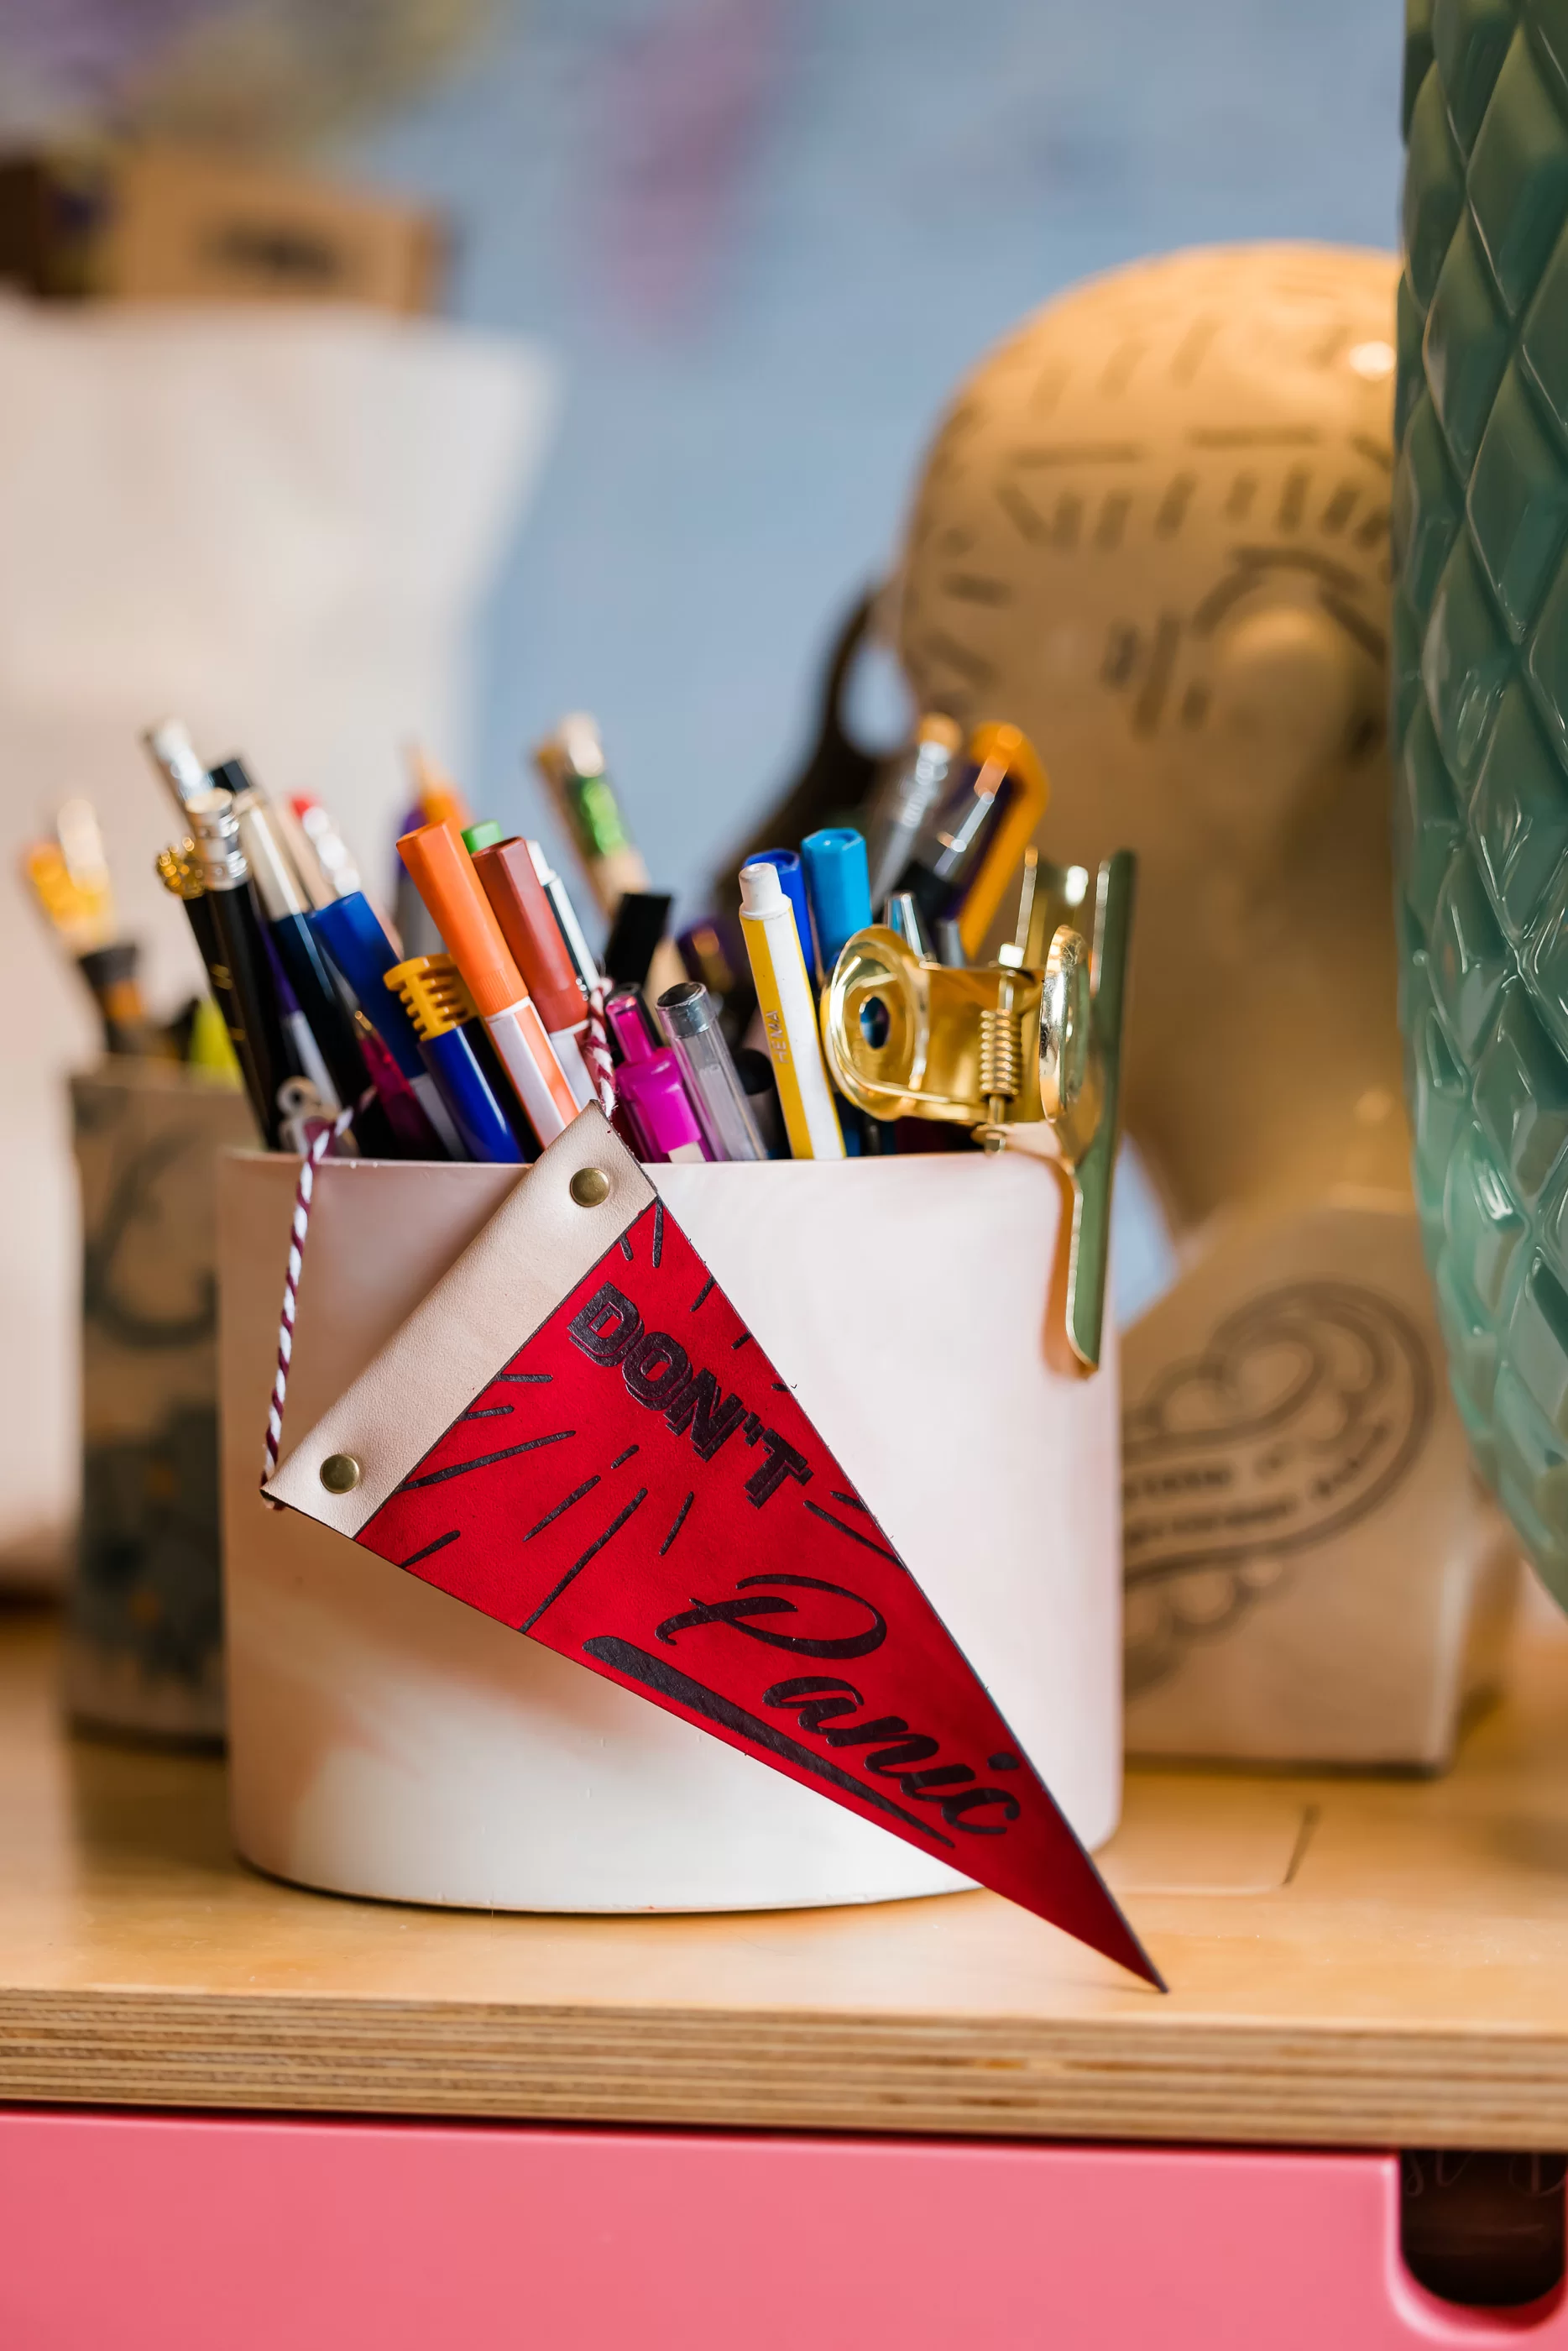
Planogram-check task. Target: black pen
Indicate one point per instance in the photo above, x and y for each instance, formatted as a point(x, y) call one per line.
point(245, 993)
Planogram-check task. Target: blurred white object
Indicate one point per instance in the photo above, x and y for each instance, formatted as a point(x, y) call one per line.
point(279, 525)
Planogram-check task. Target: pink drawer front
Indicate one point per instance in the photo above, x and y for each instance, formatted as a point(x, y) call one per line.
point(169, 2234)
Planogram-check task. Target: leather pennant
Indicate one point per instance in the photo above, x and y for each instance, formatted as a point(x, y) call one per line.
point(576, 1434)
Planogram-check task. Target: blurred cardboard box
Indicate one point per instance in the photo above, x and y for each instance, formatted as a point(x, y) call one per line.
point(148, 223)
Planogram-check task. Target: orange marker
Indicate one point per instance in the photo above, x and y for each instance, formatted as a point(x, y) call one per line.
point(442, 873)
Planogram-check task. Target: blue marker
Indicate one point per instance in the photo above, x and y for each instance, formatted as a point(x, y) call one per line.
point(352, 933)
point(793, 882)
point(838, 885)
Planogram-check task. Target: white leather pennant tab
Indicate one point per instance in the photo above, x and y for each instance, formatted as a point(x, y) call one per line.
point(569, 1207)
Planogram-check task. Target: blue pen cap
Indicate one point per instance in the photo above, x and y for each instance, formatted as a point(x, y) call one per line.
point(352, 933)
point(839, 886)
point(793, 883)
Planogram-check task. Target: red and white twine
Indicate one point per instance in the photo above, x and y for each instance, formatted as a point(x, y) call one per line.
point(321, 1142)
point(601, 1067)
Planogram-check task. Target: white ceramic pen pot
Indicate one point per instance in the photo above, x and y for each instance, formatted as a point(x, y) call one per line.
point(387, 1741)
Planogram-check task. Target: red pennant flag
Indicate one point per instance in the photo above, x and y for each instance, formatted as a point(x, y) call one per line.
point(626, 1477)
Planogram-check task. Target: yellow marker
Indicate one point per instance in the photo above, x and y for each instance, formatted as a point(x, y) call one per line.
point(789, 1016)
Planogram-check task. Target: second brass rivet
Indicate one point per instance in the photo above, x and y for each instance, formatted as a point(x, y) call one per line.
point(588, 1186)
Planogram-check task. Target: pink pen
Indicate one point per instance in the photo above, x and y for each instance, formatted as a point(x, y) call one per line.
point(653, 1091)
point(628, 1024)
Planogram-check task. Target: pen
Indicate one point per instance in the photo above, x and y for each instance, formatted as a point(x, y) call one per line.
point(333, 858)
point(712, 954)
point(636, 936)
point(590, 976)
point(971, 846)
point(901, 914)
point(626, 1017)
point(655, 1092)
point(441, 1010)
point(242, 974)
point(755, 1073)
point(904, 803)
point(690, 1020)
point(528, 926)
point(572, 763)
point(443, 874)
point(786, 862)
point(1020, 802)
point(175, 760)
point(282, 902)
point(838, 889)
point(789, 1015)
point(356, 940)
point(69, 879)
point(231, 776)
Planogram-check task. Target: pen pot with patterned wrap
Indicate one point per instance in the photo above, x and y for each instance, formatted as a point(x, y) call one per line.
point(1481, 731)
point(145, 1617)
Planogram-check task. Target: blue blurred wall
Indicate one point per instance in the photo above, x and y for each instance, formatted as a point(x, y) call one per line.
point(765, 237)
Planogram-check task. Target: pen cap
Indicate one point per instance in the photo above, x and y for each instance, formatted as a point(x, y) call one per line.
point(481, 836)
point(442, 873)
point(628, 1024)
point(518, 900)
point(786, 863)
point(433, 994)
point(690, 1020)
point(656, 1091)
point(838, 885)
point(352, 933)
point(639, 924)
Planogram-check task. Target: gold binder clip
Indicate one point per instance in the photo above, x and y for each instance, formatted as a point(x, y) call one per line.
point(1026, 1050)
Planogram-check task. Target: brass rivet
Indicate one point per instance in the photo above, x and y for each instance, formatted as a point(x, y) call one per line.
point(588, 1186)
point(340, 1473)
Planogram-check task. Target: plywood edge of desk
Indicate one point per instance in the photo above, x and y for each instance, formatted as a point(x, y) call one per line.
point(1213, 2083)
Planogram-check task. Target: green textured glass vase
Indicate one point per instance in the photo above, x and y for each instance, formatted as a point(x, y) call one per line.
point(1481, 721)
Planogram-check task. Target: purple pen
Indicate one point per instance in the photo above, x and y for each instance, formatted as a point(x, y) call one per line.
point(653, 1093)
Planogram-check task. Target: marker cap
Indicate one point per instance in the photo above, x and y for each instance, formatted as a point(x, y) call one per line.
point(520, 904)
point(481, 836)
point(433, 995)
point(442, 873)
point(838, 885)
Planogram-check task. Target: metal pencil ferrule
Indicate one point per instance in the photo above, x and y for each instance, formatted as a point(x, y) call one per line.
point(215, 828)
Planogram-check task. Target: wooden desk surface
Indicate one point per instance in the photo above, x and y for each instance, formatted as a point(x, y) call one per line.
point(1353, 1961)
